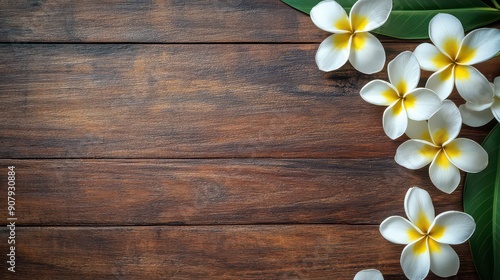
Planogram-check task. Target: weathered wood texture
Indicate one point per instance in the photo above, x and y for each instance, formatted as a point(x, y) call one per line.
point(221, 152)
point(209, 252)
point(188, 101)
point(192, 192)
point(170, 21)
point(156, 21)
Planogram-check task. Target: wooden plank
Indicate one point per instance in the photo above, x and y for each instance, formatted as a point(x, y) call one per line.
point(212, 252)
point(154, 21)
point(205, 192)
point(188, 101)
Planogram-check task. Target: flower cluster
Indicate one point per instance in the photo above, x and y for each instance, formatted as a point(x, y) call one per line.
point(424, 114)
point(427, 237)
point(351, 39)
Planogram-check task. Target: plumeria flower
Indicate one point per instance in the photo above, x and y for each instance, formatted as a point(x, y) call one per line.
point(401, 95)
point(427, 238)
point(473, 117)
point(369, 274)
point(351, 39)
point(435, 142)
point(452, 55)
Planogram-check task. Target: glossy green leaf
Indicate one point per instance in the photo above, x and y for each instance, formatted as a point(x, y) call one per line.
point(482, 201)
point(410, 19)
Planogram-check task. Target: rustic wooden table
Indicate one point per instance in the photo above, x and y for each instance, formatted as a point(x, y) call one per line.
point(194, 140)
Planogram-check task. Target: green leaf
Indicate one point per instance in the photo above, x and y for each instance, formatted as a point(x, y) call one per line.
point(304, 6)
point(496, 4)
point(410, 19)
point(482, 201)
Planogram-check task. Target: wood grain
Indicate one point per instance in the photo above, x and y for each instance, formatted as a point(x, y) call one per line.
point(233, 191)
point(170, 21)
point(157, 21)
point(209, 252)
point(188, 101)
point(167, 139)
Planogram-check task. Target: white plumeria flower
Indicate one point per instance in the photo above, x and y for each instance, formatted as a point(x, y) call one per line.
point(452, 55)
point(369, 274)
point(351, 39)
point(401, 95)
point(475, 118)
point(427, 238)
point(435, 142)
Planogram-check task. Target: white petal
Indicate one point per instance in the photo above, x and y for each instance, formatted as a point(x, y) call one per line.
point(418, 130)
point(415, 260)
point(475, 118)
point(445, 124)
point(479, 45)
point(444, 175)
point(421, 104)
point(419, 208)
point(399, 230)
point(379, 92)
point(495, 109)
point(367, 53)
point(430, 58)
point(479, 106)
point(496, 85)
point(472, 85)
point(444, 260)
point(332, 54)
point(369, 274)
point(367, 15)
point(452, 227)
point(395, 120)
point(404, 72)
point(467, 155)
point(329, 16)
point(442, 82)
point(446, 32)
point(415, 154)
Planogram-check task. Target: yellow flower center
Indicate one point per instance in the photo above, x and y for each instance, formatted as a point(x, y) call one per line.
point(466, 54)
point(446, 74)
point(343, 24)
point(420, 247)
point(433, 245)
point(423, 222)
point(341, 41)
point(451, 46)
point(441, 60)
point(440, 136)
point(359, 22)
point(427, 242)
point(462, 73)
point(437, 231)
point(359, 40)
point(390, 95)
point(452, 150)
point(442, 160)
point(402, 88)
point(409, 101)
point(428, 151)
point(397, 108)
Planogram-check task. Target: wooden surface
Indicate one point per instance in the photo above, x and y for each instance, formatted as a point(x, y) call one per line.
point(194, 140)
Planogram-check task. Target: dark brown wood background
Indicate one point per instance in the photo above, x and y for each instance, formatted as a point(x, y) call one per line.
point(166, 139)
